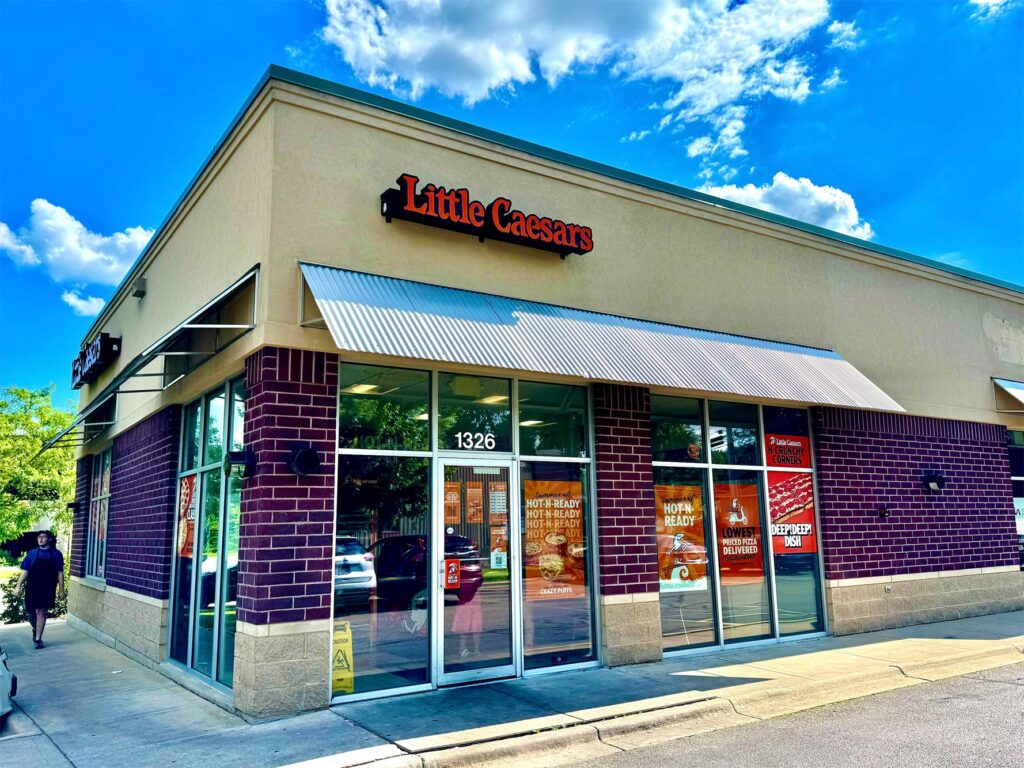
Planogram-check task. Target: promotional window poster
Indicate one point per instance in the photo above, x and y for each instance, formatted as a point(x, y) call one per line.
point(738, 517)
point(793, 451)
point(499, 502)
point(682, 555)
point(554, 549)
point(452, 503)
point(474, 502)
point(791, 505)
point(187, 504)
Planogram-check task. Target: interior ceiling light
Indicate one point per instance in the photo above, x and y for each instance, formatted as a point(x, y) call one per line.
point(535, 423)
point(360, 389)
point(423, 417)
point(493, 399)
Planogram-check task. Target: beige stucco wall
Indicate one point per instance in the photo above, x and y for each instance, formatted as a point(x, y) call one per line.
point(300, 178)
point(220, 232)
point(930, 339)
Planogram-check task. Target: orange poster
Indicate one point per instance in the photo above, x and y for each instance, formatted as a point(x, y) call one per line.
point(452, 504)
point(791, 504)
point(474, 502)
point(554, 549)
point(682, 556)
point(187, 505)
point(738, 519)
point(499, 547)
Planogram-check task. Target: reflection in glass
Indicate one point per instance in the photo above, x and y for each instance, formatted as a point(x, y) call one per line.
point(474, 413)
point(229, 582)
point(733, 433)
point(206, 588)
point(237, 414)
point(478, 588)
point(795, 546)
point(190, 454)
point(181, 608)
point(381, 574)
point(213, 452)
point(686, 594)
point(552, 420)
point(383, 408)
point(677, 429)
point(741, 562)
point(557, 618)
point(1015, 444)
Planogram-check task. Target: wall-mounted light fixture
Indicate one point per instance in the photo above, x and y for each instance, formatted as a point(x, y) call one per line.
point(303, 460)
point(239, 464)
point(139, 287)
point(883, 511)
point(934, 481)
point(72, 507)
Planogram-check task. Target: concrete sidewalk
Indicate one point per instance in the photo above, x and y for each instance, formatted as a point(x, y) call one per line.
point(83, 704)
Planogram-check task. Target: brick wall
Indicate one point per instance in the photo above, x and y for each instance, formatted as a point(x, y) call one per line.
point(627, 543)
point(80, 525)
point(143, 487)
point(286, 555)
point(867, 460)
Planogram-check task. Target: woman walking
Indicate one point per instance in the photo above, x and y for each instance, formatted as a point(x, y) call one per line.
point(43, 572)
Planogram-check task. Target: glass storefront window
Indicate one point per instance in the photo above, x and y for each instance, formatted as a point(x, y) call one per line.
point(787, 437)
point(741, 560)
point(383, 408)
point(381, 574)
point(213, 450)
point(191, 438)
point(686, 595)
point(677, 429)
point(795, 550)
point(733, 433)
point(474, 413)
point(1015, 444)
point(557, 618)
point(181, 609)
point(208, 532)
point(552, 420)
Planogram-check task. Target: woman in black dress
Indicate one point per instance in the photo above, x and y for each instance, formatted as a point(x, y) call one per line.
point(43, 571)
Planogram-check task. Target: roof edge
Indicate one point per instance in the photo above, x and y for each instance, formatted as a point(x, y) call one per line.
point(321, 85)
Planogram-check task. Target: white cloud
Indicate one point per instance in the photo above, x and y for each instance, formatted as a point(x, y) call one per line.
point(845, 35)
point(70, 252)
point(990, 9)
point(803, 200)
point(636, 136)
point(711, 55)
point(832, 80)
point(955, 259)
point(83, 307)
point(700, 146)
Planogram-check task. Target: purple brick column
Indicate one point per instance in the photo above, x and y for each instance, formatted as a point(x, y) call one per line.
point(140, 520)
point(867, 460)
point(80, 524)
point(286, 547)
point(627, 544)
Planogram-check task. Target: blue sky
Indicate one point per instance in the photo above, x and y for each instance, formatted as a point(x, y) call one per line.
point(899, 122)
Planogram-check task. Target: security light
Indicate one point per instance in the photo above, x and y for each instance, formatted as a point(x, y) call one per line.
point(934, 481)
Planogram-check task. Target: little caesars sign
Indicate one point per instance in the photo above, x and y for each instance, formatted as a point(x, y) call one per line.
point(93, 359)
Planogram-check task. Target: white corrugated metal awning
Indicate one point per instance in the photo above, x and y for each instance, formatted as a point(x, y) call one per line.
point(400, 318)
point(1012, 395)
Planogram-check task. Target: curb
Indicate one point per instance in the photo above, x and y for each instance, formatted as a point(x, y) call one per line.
point(607, 735)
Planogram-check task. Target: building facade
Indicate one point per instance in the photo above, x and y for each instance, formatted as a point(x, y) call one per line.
point(391, 402)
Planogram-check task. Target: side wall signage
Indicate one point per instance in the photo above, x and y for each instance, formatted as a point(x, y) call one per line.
point(93, 359)
point(454, 209)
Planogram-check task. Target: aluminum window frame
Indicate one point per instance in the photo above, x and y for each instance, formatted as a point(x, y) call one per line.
point(438, 456)
point(200, 471)
point(708, 467)
point(95, 556)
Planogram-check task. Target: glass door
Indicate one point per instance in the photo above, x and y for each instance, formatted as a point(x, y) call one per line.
point(475, 614)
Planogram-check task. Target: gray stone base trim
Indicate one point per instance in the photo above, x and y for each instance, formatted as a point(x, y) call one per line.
point(630, 629)
point(865, 607)
point(190, 682)
point(131, 624)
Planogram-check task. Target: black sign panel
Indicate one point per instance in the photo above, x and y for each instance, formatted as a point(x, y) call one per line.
point(94, 359)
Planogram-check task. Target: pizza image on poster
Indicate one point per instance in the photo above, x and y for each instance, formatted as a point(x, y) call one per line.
point(682, 555)
point(791, 505)
point(554, 548)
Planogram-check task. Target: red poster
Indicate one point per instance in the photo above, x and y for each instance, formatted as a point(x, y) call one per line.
point(474, 502)
point(682, 556)
point(738, 517)
point(187, 505)
point(791, 504)
point(452, 573)
point(452, 503)
point(554, 551)
point(793, 451)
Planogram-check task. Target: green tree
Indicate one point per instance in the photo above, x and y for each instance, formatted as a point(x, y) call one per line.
point(33, 489)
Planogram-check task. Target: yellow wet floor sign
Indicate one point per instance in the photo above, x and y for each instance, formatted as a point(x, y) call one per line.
point(343, 678)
